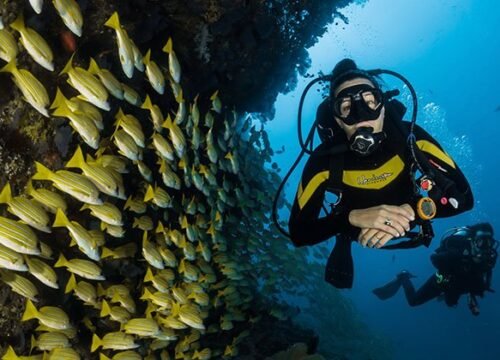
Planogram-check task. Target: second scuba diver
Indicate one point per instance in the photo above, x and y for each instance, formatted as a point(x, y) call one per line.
point(464, 261)
point(368, 191)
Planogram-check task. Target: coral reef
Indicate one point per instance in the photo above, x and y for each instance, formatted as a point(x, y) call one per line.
point(249, 51)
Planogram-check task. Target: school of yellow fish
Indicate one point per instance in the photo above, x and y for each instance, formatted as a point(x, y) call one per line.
point(185, 196)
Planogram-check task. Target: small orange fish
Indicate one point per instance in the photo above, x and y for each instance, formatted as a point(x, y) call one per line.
point(68, 41)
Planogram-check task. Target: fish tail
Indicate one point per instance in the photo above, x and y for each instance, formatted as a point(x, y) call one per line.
point(113, 22)
point(214, 95)
point(100, 290)
point(149, 275)
point(103, 357)
point(58, 100)
point(10, 354)
point(119, 116)
point(147, 104)
point(96, 343)
point(62, 109)
point(42, 173)
point(93, 67)
point(10, 67)
point(6, 194)
point(68, 66)
point(77, 161)
point(71, 285)
point(30, 312)
point(33, 343)
point(61, 261)
point(136, 223)
point(105, 310)
point(167, 123)
point(147, 294)
point(107, 253)
point(61, 219)
point(150, 194)
point(168, 46)
point(18, 24)
point(147, 57)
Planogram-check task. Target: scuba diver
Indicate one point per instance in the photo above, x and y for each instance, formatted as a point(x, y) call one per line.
point(464, 261)
point(360, 183)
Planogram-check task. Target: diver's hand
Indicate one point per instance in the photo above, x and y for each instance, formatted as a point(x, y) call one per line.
point(394, 220)
point(374, 238)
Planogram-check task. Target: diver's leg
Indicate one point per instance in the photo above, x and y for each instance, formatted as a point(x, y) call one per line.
point(428, 291)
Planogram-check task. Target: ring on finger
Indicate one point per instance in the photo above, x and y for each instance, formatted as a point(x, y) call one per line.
point(388, 222)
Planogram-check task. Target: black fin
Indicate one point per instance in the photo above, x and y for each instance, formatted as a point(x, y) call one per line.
point(388, 290)
point(339, 269)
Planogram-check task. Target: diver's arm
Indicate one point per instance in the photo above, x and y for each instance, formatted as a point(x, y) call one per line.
point(451, 182)
point(305, 224)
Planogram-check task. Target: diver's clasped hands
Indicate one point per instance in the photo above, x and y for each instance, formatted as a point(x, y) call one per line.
point(379, 224)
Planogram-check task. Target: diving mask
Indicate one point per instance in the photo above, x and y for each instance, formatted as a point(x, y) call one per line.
point(358, 103)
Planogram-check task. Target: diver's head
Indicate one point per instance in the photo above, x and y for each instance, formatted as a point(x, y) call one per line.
point(484, 246)
point(358, 106)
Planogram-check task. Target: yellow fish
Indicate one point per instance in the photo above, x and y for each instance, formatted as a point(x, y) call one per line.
point(135, 204)
point(8, 46)
point(19, 284)
point(158, 196)
point(82, 237)
point(10, 354)
point(116, 313)
point(11, 260)
point(34, 44)
point(130, 95)
point(142, 327)
point(131, 125)
point(49, 341)
point(106, 212)
point(18, 237)
point(107, 78)
point(120, 252)
point(83, 290)
point(174, 67)
point(89, 87)
point(155, 112)
point(48, 315)
point(100, 176)
point(71, 15)
point(48, 199)
point(71, 183)
point(125, 49)
point(154, 74)
point(26, 210)
point(85, 268)
point(124, 355)
point(42, 272)
point(83, 124)
point(216, 103)
point(62, 354)
point(114, 341)
point(176, 135)
point(151, 253)
point(33, 91)
point(126, 145)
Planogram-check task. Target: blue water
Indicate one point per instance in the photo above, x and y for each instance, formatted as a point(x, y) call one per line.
point(450, 51)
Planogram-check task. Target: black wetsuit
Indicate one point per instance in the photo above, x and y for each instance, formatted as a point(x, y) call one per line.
point(380, 178)
point(458, 274)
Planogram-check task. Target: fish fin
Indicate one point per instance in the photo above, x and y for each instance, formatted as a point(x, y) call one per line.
point(150, 194)
point(105, 309)
point(68, 66)
point(168, 46)
point(113, 22)
point(6, 194)
point(147, 57)
point(61, 261)
point(10, 354)
point(42, 173)
point(77, 160)
point(18, 24)
point(93, 67)
point(58, 100)
point(61, 219)
point(71, 285)
point(30, 312)
point(96, 343)
point(107, 253)
point(62, 110)
point(214, 95)
point(10, 67)
point(149, 275)
point(147, 104)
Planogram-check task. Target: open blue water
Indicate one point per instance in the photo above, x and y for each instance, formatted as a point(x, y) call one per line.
point(450, 51)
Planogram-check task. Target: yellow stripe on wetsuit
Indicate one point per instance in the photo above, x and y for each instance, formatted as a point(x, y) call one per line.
point(432, 149)
point(364, 179)
point(303, 195)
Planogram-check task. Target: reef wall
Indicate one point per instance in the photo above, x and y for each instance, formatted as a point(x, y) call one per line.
point(247, 50)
